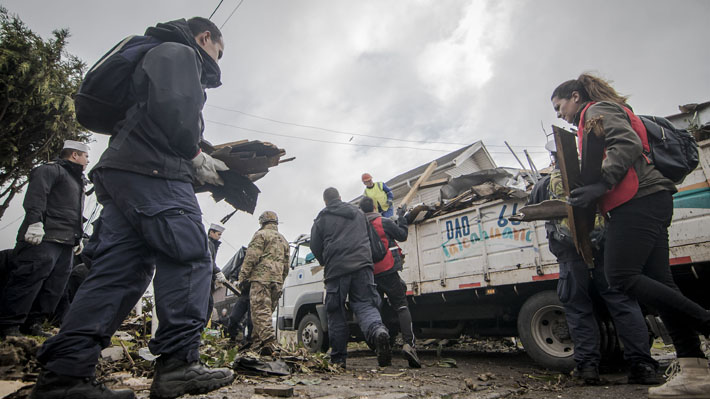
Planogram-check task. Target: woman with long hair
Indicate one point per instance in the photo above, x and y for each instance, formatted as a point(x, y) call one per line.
point(637, 199)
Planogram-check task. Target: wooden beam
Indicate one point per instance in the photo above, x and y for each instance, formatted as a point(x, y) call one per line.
point(424, 177)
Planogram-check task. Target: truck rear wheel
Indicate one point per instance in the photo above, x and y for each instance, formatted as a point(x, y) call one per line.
point(543, 331)
point(310, 334)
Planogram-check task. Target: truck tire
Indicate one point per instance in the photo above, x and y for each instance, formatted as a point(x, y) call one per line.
point(543, 332)
point(310, 334)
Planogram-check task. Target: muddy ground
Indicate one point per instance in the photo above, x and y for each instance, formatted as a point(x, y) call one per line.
point(468, 368)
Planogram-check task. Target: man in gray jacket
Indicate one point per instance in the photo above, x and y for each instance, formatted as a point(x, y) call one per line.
point(150, 222)
point(339, 240)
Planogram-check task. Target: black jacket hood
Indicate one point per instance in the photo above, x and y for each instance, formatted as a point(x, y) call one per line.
point(340, 208)
point(179, 31)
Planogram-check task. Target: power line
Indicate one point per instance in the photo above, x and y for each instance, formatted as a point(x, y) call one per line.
point(347, 144)
point(351, 133)
point(320, 141)
point(11, 223)
point(216, 8)
point(230, 15)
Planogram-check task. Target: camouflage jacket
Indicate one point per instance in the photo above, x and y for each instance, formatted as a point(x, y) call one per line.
point(267, 257)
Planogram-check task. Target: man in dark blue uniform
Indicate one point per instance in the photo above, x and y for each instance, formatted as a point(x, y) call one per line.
point(42, 258)
point(340, 241)
point(574, 290)
point(150, 222)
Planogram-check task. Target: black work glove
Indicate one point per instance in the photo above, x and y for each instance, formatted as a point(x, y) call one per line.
point(401, 211)
point(583, 196)
point(243, 286)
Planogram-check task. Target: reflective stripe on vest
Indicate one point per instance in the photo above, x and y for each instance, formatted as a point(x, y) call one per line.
point(388, 261)
point(624, 190)
point(378, 194)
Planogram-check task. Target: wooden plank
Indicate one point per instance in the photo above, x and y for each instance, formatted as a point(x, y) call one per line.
point(424, 177)
point(567, 161)
point(545, 210)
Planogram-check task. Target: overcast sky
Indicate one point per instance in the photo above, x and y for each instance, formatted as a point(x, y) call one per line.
point(439, 71)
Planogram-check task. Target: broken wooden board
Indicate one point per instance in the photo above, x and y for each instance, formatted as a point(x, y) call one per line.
point(545, 210)
point(274, 390)
point(568, 162)
point(434, 183)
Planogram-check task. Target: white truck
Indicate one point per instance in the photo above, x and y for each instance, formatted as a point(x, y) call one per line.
point(475, 272)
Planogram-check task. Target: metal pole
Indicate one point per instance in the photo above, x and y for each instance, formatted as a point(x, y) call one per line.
point(532, 165)
point(519, 162)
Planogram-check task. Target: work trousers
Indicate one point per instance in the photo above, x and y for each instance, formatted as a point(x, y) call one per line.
point(263, 297)
point(636, 258)
point(37, 277)
point(239, 310)
point(392, 285)
point(147, 224)
point(573, 289)
point(359, 288)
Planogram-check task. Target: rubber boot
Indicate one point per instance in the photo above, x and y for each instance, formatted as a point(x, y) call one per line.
point(689, 378)
point(175, 377)
point(411, 355)
point(382, 348)
point(54, 386)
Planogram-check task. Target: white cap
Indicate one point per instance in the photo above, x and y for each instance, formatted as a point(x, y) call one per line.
point(75, 145)
point(216, 227)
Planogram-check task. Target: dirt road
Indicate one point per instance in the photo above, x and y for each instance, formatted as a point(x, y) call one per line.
point(477, 374)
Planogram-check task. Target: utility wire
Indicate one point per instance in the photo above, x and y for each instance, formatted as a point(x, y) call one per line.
point(230, 15)
point(11, 223)
point(351, 133)
point(339, 143)
point(320, 141)
point(216, 8)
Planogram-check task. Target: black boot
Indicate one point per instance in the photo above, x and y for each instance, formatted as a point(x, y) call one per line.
point(587, 374)
point(10, 331)
point(55, 386)
point(36, 330)
point(382, 348)
point(175, 377)
point(643, 374)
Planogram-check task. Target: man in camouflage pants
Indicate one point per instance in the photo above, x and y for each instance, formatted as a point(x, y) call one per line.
point(265, 267)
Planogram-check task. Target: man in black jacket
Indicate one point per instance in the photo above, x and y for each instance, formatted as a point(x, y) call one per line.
point(339, 240)
point(42, 258)
point(386, 272)
point(150, 221)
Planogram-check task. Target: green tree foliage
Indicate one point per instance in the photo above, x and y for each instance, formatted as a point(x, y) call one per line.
point(37, 81)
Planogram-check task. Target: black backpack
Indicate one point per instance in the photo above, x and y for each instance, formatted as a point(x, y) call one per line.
point(379, 251)
point(673, 151)
point(105, 93)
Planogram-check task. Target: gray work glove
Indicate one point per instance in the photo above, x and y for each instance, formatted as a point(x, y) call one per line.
point(219, 276)
point(35, 233)
point(584, 196)
point(206, 169)
point(79, 248)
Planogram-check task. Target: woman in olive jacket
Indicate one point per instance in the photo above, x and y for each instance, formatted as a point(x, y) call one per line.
point(638, 201)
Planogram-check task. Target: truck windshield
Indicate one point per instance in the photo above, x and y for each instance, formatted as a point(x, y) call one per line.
point(302, 255)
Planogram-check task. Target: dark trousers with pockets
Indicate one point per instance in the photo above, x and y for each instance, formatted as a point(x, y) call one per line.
point(359, 288)
point(573, 289)
point(394, 287)
point(636, 258)
point(147, 224)
point(36, 282)
point(239, 310)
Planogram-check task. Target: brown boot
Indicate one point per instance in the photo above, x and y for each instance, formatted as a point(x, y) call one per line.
point(689, 378)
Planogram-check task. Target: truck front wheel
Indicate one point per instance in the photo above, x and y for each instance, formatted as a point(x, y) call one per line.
point(543, 331)
point(310, 334)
